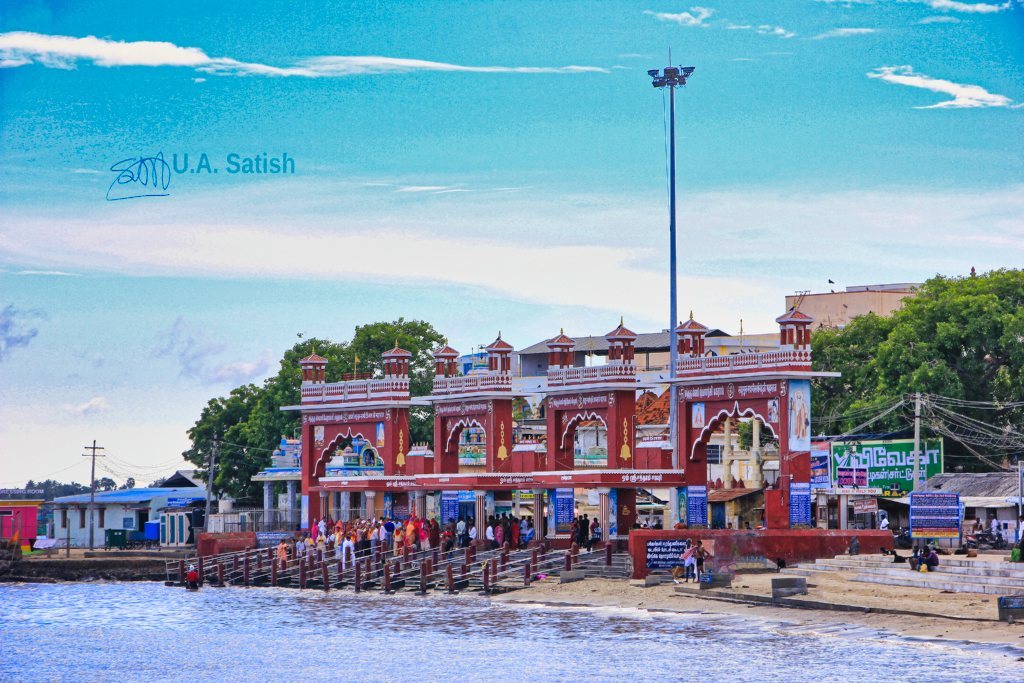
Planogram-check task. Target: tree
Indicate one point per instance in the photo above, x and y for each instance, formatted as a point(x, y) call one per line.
point(250, 422)
point(129, 483)
point(105, 484)
point(960, 338)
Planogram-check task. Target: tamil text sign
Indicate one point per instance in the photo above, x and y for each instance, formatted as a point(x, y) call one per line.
point(889, 464)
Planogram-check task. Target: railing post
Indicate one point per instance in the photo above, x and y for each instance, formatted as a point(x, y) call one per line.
point(259, 562)
point(358, 578)
point(368, 566)
point(469, 555)
point(423, 578)
point(245, 571)
point(273, 572)
point(220, 575)
point(608, 554)
point(527, 575)
point(533, 557)
point(234, 563)
point(302, 575)
point(437, 556)
point(486, 576)
point(568, 560)
point(450, 579)
point(181, 572)
point(202, 574)
point(325, 577)
point(387, 577)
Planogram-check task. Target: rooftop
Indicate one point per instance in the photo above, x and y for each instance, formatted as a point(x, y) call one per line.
point(134, 496)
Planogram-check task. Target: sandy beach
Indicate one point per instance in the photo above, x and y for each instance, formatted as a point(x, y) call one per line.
point(956, 617)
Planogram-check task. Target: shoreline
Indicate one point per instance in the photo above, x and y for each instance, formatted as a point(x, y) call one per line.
point(954, 631)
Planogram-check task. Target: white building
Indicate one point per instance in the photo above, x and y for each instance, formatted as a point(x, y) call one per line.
point(128, 509)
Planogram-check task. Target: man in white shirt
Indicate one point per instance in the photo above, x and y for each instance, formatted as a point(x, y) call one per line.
point(472, 533)
point(884, 524)
point(489, 535)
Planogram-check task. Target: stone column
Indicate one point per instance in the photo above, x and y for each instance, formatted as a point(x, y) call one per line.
point(672, 514)
point(538, 514)
point(727, 454)
point(757, 477)
point(293, 514)
point(268, 505)
point(604, 512)
point(419, 499)
point(371, 504)
point(480, 517)
point(345, 505)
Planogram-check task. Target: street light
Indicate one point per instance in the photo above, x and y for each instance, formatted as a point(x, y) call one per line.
point(671, 77)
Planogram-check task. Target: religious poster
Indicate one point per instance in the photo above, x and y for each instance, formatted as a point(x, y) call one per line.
point(380, 433)
point(697, 415)
point(613, 513)
point(318, 436)
point(773, 411)
point(799, 402)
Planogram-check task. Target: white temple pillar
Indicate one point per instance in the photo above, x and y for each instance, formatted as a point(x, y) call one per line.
point(727, 454)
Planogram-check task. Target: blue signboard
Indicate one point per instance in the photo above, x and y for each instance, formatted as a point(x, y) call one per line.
point(178, 502)
point(449, 506)
point(697, 506)
point(665, 553)
point(799, 504)
point(565, 510)
point(934, 515)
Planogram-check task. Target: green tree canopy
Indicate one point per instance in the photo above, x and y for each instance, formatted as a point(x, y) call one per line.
point(959, 338)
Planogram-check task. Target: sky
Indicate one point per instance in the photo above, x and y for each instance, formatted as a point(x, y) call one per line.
point(483, 166)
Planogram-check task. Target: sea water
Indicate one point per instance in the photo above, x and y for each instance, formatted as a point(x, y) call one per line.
point(149, 632)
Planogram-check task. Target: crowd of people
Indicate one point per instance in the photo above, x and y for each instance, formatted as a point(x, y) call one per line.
point(362, 537)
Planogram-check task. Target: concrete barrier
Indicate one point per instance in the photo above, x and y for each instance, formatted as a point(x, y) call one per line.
point(785, 586)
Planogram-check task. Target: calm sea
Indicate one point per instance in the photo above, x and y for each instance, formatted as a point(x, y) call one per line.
point(148, 632)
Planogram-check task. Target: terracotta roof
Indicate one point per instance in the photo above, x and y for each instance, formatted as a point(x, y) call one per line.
point(724, 495)
point(500, 344)
point(655, 410)
point(314, 359)
point(691, 325)
point(621, 332)
point(396, 353)
point(446, 352)
point(561, 340)
point(794, 316)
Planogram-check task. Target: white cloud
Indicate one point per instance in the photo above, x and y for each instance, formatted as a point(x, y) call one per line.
point(964, 96)
point(940, 19)
point(844, 33)
point(763, 29)
point(695, 17)
point(57, 273)
point(94, 406)
point(20, 48)
point(968, 7)
point(767, 30)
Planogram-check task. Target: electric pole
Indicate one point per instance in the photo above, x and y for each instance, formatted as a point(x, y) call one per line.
point(917, 440)
point(92, 488)
point(211, 463)
point(672, 77)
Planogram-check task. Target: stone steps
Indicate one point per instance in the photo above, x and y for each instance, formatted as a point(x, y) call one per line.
point(953, 573)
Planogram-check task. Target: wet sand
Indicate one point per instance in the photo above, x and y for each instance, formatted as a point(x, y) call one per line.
point(974, 616)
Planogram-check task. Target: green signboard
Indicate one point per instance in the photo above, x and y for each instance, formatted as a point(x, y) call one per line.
point(889, 464)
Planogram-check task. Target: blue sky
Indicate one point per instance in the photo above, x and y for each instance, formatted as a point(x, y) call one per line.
point(482, 166)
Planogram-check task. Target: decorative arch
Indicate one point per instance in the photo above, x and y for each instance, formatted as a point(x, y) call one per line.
point(461, 424)
point(332, 446)
point(710, 425)
point(576, 419)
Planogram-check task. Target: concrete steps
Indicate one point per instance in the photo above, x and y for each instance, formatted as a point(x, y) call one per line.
point(956, 574)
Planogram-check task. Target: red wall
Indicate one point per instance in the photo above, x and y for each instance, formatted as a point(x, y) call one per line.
point(215, 544)
point(791, 545)
point(24, 518)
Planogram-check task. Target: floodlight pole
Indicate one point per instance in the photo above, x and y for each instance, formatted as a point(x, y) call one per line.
point(671, 77)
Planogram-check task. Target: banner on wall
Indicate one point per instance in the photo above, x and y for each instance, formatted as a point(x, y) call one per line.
point(697, 506)
point(565, 510)
point(305, 511)
point(934, 515)
point(388, 505)
point(821, 468)
point(799, 406)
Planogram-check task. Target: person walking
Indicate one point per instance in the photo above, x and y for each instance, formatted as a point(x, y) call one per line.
point(460, 533)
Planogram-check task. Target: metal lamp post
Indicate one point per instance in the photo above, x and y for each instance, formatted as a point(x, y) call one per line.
point(671, 77)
